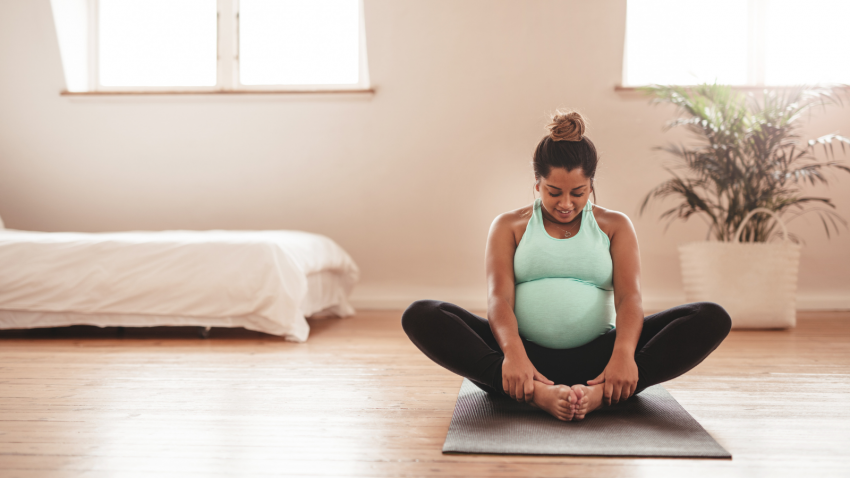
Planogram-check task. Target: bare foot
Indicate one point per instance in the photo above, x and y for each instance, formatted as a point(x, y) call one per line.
point(589, 398)
point(558, 400)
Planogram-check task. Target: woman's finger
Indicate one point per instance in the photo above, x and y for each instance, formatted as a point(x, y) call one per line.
point(607, 391)
point(541, 378)
point(616, 393)
point(597, 380)
point(519, 396)
point(529, 390)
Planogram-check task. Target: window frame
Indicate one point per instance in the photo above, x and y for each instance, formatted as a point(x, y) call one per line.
point(227, 68)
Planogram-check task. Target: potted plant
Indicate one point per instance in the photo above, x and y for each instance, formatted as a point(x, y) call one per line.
point(747, 158)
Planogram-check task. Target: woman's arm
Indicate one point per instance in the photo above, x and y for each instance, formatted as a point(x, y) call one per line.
point(518, 373)
point(621, 373)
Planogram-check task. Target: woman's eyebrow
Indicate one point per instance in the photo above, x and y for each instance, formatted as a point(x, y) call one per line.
point(553, 187)
point(583, 185)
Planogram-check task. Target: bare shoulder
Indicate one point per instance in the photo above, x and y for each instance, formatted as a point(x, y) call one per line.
point(512, 222)
point(611, 221)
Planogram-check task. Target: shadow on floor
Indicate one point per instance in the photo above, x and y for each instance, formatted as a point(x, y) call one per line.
point(91, 332)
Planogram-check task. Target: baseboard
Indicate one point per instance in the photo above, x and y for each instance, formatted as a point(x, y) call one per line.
point(396, 298)
point(805, 302)
point(823, 302)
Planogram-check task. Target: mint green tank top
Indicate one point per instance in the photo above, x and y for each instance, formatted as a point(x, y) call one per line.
point(564, 294)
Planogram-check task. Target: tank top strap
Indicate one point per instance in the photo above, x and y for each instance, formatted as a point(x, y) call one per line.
point(586, 213)
point(536, 213)
point(535, 222)
point(594, 226)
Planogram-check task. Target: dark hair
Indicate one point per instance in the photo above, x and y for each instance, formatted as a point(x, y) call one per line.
point(566, 147)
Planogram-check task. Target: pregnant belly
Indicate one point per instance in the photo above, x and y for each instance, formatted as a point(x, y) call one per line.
point(562, 313)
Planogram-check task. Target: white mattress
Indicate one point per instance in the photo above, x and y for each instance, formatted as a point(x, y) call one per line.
point(261, 280)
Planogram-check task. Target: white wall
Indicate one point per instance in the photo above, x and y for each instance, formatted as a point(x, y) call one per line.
point(406, 180)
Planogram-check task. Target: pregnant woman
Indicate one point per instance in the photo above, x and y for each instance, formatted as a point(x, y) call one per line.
point(565, 330)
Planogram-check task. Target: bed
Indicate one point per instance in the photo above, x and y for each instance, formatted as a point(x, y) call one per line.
point(267, 281)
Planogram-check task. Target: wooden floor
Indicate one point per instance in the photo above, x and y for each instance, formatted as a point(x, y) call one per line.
point(359, 400)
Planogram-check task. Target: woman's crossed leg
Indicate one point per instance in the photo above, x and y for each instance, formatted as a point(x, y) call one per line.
point(671, 343)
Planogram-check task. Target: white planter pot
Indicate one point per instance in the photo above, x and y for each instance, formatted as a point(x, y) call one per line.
point(755, 282)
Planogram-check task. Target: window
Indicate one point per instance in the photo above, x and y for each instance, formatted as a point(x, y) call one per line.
point(212, 45)
point(162, 43)
point(298, 42)
point(738, 42)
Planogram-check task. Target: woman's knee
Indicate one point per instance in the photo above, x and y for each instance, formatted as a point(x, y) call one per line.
point(715, 316)
point(418, 314)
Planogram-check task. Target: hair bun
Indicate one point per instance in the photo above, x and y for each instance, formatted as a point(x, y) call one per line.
point(567, 126)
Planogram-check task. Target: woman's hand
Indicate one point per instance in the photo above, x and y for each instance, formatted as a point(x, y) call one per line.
point(620, 378)
point(518, 375)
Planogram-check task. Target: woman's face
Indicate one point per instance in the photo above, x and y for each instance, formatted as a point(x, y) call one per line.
point(564, 194)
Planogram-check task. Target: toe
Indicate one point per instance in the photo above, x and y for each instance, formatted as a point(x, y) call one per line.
point(578, 391)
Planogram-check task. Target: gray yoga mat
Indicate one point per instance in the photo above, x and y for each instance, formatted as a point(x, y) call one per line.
point(650, 424)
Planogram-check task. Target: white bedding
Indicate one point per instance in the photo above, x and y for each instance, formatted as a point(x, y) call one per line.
point(261, 280)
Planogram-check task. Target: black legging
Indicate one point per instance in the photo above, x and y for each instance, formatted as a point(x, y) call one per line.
point(671, 343)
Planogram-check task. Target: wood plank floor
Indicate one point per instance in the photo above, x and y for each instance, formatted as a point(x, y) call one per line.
point(359, 400)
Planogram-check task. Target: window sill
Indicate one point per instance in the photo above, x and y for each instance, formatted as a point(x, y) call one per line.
point(636, 89)
point(358, 91)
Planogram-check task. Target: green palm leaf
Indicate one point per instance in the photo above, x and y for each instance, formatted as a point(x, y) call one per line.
point(747, 153)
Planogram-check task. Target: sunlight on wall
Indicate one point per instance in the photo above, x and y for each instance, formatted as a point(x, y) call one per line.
point(71, 22)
